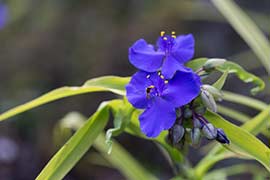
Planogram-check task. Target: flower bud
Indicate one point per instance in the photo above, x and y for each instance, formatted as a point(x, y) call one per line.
point(212, 90)
point(208, 100)
point(177, 133)
point(197, 123)
point(209, 131)
point(187, 113)
point(200, 109)
point(195, 136)
point(221, 137)
point(211, 64)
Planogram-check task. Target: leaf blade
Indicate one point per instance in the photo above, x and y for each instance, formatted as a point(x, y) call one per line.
point(107, 83)
point(243, 100)
point(243, 75)
point(122, 160)
point(76, 147)
point(242, 139)
point(247, 29)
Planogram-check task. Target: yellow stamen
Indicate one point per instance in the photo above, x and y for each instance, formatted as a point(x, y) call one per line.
point(166, 81)
point(173, 32)
point(151, 87)
point(173, 36)
point(162, 33)
point(159, 73)
point(148, 76)
point(161, 76)
point(165, 38)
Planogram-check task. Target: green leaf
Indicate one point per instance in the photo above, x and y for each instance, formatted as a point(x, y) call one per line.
point(196, 64)
point(107, 83)
point(114, 84)
point(242, 140)
point(221, 81)
point(256, 125)
point(134, 129)
point(76, 147)
point(234, 170)
point(259, 122)
point(236, 115)
point(122, 160)
point(244, 100)
point(119, 157)
point(122, 112)
point(243, 75)
point(218, 153)
point(231, 67)
point(247, 29)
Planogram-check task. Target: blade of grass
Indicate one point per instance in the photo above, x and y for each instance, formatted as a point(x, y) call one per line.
point(247, 29)
point(107, 83)
point(122, 160)
point(255, 125)
point(244, 100)
point(259, 122)
point(249, 122)
point(236, 169)
point(76, 147)
point(241, 117)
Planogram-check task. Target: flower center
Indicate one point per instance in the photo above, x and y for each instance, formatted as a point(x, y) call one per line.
point(158, 84)
point(151, 91)
point(167, 41)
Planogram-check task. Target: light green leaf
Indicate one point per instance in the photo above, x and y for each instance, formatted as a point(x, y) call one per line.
point(242, 140)
point(234, 170)
point(236, 115)
point(122, 111)
point(107, 83)
point(218, 153)
point(259, 122)
point(215, 155)
point(122, 160)
point(256, 125)
point(231, 67)
point(244, 100)
point(247, 29)
point(119, 158)
point(243, 75)
point(76, 147)
point(134, 129)
point(196, 64)
point(114, 84)
point(221, 81)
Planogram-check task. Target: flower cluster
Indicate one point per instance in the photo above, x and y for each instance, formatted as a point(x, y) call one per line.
point(166, 89)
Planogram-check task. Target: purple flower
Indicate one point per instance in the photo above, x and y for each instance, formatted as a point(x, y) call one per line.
point(171, 54)
point(160, 97)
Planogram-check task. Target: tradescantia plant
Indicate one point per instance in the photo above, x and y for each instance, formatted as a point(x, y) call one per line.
point(168, 101)
point(169, 90)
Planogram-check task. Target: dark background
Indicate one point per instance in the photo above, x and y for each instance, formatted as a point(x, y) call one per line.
point(47, 44)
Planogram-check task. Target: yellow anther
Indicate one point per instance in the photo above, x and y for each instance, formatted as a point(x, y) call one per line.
point(151, 87)
point(173, 32)
point(162, 33)
point(148, 76)
point(166, 81)
point(161, 76)
point(165, 38)
point(173, 36)
point(159, 73)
